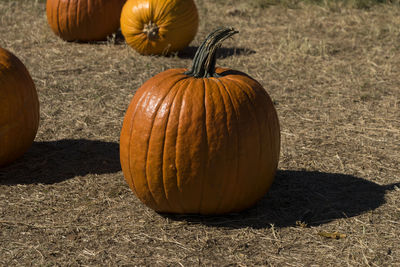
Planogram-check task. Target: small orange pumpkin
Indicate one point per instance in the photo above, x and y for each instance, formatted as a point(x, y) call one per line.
point(204, 140)
point(159, 27)
point(84, 20)
point(19, 108)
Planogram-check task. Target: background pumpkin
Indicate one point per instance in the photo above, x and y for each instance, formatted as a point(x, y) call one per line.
point(19, 108)
point(159, 26)
point(201, 141)
point(84, 20)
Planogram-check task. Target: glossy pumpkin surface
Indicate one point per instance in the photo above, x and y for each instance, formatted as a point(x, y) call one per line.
point(19, 108)
point(207, 145)
point(158, 27)
point(84, 20)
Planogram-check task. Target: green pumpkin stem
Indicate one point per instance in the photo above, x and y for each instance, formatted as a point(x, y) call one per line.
point(204, 61)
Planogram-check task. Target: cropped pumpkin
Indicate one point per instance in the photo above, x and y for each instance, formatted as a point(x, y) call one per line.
point(159, 27)
point(204, 140)
point(84, 20)
point(19, 108)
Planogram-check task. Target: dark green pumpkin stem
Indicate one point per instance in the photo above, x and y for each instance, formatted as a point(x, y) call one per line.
point(203, 65)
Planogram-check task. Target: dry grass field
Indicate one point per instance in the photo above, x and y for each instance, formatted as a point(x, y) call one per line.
point(333, 71)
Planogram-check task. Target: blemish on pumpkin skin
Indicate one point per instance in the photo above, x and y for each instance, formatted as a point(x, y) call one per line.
point(172, 167)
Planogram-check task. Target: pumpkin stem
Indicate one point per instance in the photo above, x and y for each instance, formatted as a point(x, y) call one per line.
point(151, 30)
point(204, 61)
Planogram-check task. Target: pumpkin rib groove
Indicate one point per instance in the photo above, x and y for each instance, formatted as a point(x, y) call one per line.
point(254, 114)
point(57, 17)
point(92, 7)
point(272, 115)
point(130, 140)
point(164, 148)
point(167, 22)
point(233, 132)
point(176, 89)
point(178, 178)
point(147, 157)
point(222, 194)
point(163, 154)
point(133, 115)
point(162, 14)
point(209, 110)
point(205, 136)
point(186, 94)
point(153, 119)
point(176, 146)
point(267, 102)
point(234, 193)
point(151, 8)
point(270, 112)
point(77, 18)
point(68, 26)
point(142, 97)
point(179, 99)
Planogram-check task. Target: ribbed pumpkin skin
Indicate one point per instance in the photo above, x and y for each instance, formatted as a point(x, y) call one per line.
point(19, 108)
point(200, 145)
point(84, 20)
point(177, 22)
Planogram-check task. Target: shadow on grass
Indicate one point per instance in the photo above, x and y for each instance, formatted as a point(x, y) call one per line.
point(116, 38)
point(314, 198)
point(222, 52)
point(56, 161)
point(188, 52)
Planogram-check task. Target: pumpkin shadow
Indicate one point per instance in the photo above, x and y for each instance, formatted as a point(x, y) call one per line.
point(56, 161)
point(313, 198)
point(116, 38)
point(222, 52)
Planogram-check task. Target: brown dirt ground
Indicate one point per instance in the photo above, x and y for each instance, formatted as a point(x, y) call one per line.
point(334, 75)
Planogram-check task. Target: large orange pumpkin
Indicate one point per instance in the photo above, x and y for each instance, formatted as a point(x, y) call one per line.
point(19, 108)
point(84, 20)
point(204, 140)
point(158, 27)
